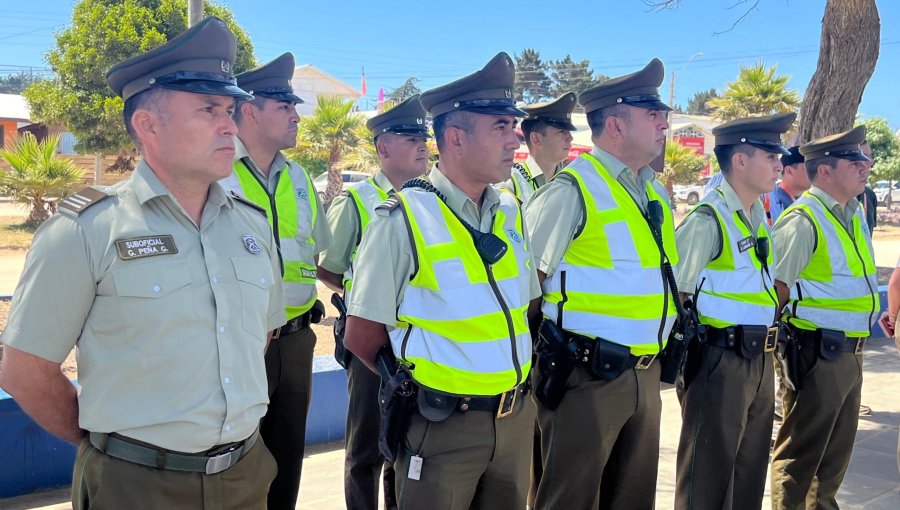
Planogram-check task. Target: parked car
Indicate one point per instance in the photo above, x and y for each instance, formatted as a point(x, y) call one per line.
point(347, 176)
point(689, 193)
point(881, 192)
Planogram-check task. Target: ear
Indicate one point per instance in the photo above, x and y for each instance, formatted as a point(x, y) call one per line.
point(615, 127)
point(738, 160)
point(146, 124)
point(248, 111)
point(453, 137)
point(535, 138)
point(381, 148)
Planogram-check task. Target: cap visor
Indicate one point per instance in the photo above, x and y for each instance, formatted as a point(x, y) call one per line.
point(411, 132)
point(652, 105)
point(281, 96)
point(855, 157)
point(210, 87)
point(497, 110)
point(773, 149)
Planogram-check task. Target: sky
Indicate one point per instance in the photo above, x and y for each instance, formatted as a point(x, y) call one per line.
point(441, 41)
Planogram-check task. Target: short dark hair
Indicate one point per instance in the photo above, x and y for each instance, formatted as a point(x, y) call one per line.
point(149, 99)
point(725, 152)
point(257, 101)
point(459, 119)
point(533, 126)
point(597, 119)
point(812, 165)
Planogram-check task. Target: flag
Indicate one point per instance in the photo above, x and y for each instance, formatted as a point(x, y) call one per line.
point(380, 105)
point(364, 89)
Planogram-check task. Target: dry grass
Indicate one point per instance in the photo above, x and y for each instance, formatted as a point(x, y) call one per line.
point(14, 234)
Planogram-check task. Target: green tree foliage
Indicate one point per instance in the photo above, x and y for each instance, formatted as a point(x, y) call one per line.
point(332, 132)
point(569, 75)
point(757, 91)
point(532, 82)
point(682, 165)
point(885, 149)
point(37, 177)
point(16, 83)
point(102, 33)
point(408, 89)
point(697, 105)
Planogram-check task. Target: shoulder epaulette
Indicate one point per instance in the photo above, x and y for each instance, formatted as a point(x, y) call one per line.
point(390, 204)
point(84, 198)
point(522, 171)
point(244, 201)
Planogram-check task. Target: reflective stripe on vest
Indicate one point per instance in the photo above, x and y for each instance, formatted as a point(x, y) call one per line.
point(366, 195)
point(292, 215)
point(523, 187)
point(462, 325)
point(736, 288)
point(610, 283)
point(838, 288)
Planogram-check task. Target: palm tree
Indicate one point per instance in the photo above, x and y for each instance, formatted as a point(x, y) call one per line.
point(682, 165)
point(332, 131)
point(757, 91)
point(37, 177)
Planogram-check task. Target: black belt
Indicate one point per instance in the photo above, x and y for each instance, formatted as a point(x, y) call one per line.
point(219, 459)
point(808, 340)
point(502, 404)
point(294, 325)
point(586, 346)
point(730, 338)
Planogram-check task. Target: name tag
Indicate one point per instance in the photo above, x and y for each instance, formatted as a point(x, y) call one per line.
point(150, 246)
point(745, 244)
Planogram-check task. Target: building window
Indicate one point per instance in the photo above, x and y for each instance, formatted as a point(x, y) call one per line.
point(688, 133)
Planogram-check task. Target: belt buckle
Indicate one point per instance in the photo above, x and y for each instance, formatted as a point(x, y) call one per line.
point(222, 461)
point(644, 362)
point(771, 339)
point(276, 333)
point(507, 402)
point(860, 343)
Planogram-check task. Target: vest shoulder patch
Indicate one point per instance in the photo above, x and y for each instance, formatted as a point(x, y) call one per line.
point(246, 202)
point(84, 198)
point(388, 205)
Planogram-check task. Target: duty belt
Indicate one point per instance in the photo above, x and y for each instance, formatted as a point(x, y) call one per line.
point(502, 404)
point(586, 345)
point(807, 340)
point(292, 326)
point(219, 459)
point(729, 338)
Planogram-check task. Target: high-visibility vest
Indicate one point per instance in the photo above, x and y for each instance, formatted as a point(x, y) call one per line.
point(462, 325)
point(838, 288)
point(523, 182)
point(610, 283)
point(366, 195)
point(292, 215)
point(736, 287)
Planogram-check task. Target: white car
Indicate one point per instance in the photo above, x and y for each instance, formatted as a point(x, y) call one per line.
point(348, 177)
point(690, 193)
point(881, 191)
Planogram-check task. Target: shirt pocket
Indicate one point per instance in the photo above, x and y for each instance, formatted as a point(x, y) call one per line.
point(254, 277)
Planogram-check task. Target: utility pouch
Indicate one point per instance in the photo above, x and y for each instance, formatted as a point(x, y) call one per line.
point(436, 407)
point(316, 312)
point(830, 343)
point(752, 340)
point(341, 354)
point(608, 360)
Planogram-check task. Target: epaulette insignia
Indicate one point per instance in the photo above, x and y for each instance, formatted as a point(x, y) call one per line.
point(522, 171)
point(83, 199)
point(390, 204)
point(244, 201)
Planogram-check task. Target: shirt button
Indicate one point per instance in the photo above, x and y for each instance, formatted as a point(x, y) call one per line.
point(227, 380)
point(215, 279)
point(262, 281)
point(156, 288)
point(227, 428)
point(221, 329)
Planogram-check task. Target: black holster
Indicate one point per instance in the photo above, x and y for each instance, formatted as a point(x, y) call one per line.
point(341, 354)
point(397, 401)
point(555, 362)
point(787, 355)
point(687, 331)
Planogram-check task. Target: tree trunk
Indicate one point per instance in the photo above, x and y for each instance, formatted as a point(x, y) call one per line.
point(335, 179)
point(847, 56)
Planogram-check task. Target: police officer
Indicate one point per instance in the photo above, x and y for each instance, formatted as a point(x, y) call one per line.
point(725, 260)
point(548, 135)
point(453, 309)
point(266, 125)
point(794, 182)
point(399, 135)
point(825, 271)
point(168, 286)
point(604, 240)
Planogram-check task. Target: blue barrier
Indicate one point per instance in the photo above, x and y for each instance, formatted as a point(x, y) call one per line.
point(31, 459)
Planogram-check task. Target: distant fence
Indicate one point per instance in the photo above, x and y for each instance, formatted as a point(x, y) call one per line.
point(86, 163)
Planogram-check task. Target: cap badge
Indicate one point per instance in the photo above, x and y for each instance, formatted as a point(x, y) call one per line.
point(508, 93)
point(250, 244)
point(420, 121)
point(226, 66)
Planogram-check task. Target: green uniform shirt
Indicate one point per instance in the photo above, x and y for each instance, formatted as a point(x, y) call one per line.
point(321, 233)
point(343, 221)
point(385, 256)
point(794, 236)
point(170, 319)
point(556, 212)
point(699, 239)
point(538, 176)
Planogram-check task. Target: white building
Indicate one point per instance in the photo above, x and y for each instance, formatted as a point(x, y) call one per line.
point(309, 82)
